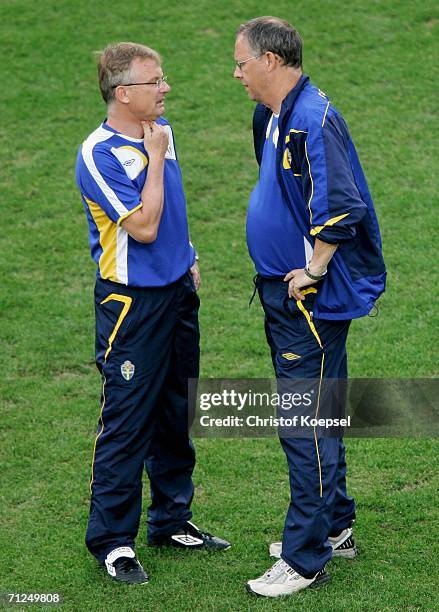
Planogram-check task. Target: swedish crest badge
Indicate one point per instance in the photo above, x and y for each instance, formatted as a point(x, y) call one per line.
point(127, 370)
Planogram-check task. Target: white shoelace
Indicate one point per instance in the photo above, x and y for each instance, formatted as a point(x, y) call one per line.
point(279, 568)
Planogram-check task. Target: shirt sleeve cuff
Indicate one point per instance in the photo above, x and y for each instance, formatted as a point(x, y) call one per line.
point(129, 213)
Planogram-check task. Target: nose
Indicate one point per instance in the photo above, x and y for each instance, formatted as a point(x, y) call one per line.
point(164, 87)
point(237, 74)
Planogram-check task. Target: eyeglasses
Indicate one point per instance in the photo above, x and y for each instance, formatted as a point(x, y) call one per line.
point(241, 64)
point(158, 83)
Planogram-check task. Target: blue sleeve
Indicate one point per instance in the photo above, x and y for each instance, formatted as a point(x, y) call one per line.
point(103, 181)
point(334, 204)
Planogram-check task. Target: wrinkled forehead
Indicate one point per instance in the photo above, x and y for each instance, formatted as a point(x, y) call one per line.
point(146, 67)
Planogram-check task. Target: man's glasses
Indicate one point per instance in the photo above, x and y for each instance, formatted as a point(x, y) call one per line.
point(158, 83)
point(241, 64)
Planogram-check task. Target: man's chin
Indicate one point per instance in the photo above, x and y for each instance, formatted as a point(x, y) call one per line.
point(154, 116)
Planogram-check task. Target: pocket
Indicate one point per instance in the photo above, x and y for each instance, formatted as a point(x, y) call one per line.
point(301, 314)
point(114, 313)
point(307, 302)
point(290, 305)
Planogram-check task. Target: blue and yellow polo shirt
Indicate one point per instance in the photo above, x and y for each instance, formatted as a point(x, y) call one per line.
point(111, 170)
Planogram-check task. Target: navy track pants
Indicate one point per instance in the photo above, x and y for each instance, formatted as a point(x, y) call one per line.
point(147, 346)
point(307, 348)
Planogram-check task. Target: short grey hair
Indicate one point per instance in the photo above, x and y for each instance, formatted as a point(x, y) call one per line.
point(275, 35)
point(114, 65)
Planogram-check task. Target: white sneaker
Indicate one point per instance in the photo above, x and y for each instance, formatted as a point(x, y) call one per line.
point(342, 546)
point(281, 579)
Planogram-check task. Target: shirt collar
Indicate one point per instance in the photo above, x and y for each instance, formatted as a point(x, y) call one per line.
point(124, 136)
point(291, 97)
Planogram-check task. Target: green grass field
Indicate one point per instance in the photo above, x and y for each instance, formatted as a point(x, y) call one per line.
point(376, 61)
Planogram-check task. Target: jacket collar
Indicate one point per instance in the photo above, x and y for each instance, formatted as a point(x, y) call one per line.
point(292, 96)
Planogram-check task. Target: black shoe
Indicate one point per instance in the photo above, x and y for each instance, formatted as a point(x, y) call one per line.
point(190, 537)
point(343, 544)
point(321, 578)
point(127, 569)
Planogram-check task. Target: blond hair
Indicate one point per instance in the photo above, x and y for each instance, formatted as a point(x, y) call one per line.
point(114, 65)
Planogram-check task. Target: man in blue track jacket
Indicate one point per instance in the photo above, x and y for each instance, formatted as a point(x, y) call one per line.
point(313, 235)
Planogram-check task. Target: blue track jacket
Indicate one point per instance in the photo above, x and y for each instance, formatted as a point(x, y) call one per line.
point(325, 188)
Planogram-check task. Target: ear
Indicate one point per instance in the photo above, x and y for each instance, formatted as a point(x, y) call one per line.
point(272, 60)
point(121, 95)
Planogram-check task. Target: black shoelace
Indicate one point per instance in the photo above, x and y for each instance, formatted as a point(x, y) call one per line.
point(198, 534)
point(126, 564)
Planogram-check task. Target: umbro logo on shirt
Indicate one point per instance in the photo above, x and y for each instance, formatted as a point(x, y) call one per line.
point(133, 160)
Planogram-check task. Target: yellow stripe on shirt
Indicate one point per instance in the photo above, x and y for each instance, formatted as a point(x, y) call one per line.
point(316, 230)
point(107, 239)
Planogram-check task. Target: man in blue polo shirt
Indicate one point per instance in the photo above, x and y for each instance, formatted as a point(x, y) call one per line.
point(313, 235)
point(146, 306)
